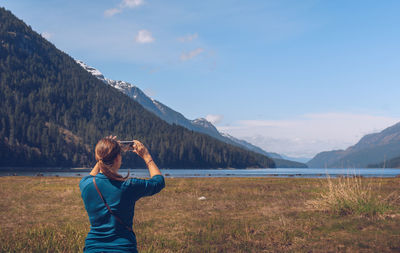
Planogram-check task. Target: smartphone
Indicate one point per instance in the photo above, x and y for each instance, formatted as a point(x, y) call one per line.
point(126, 142)
point(126, 145)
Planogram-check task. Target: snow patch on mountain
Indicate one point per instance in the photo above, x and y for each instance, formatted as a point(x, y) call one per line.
point(92, 70)
point(120, 85)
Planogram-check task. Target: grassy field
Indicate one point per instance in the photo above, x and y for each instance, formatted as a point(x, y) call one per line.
point(46, 214)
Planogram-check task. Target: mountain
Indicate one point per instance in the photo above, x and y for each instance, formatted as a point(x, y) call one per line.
point(371, 149)
point(162, 111)
point(53, 113)
point(171, 116)
point(249, 146)
point(296, 159)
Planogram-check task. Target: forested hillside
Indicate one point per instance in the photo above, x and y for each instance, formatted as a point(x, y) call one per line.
point(53, 112)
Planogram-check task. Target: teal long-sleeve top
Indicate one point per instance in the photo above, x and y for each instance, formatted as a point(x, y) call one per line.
point(106, 233)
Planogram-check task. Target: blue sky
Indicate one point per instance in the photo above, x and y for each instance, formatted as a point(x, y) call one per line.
point(294, 77)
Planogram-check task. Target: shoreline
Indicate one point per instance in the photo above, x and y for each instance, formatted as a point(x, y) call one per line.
point(215, 173)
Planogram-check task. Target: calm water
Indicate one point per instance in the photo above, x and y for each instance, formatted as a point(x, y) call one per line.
point(280, 172)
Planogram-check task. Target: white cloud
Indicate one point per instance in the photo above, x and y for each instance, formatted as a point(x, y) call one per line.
point(309, 134)
point(191, 54)
point(144, 37)
point(188, 38)
point(214, 119)
point(131, 3)
point(112, 12)
point(124, 4)
point(46, 35)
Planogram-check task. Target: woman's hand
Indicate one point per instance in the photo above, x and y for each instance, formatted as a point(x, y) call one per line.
point(141, 151)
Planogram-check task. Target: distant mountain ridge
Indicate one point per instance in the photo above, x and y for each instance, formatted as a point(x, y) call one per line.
point(171, 116)
point(371, 149)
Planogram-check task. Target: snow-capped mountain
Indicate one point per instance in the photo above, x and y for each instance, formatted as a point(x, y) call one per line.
point(152, 105)
point(173, 117)
point(156, 107)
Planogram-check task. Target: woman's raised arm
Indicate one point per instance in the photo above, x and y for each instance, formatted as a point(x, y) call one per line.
point(142, 151)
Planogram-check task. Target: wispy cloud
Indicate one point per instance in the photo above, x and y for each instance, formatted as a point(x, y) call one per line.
point(131, 3)
point(191, 54)
point(144, 37)
point(46, 35)
point(188, 38)
point(214, 118)
point(150, 69)
point(124, 4)
point(309, 134)
point(112, 12)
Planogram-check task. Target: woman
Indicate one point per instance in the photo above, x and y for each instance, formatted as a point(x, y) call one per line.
point(110, 198)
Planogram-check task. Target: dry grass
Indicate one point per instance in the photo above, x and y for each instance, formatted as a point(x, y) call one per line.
point(238, 215)
point(354, 195)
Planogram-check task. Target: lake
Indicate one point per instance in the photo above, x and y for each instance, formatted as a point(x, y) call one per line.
point(279, 172)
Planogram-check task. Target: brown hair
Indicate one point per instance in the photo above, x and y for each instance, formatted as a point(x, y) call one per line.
point(107, 150)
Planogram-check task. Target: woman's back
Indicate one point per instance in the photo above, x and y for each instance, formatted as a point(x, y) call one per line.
point(106, 233)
